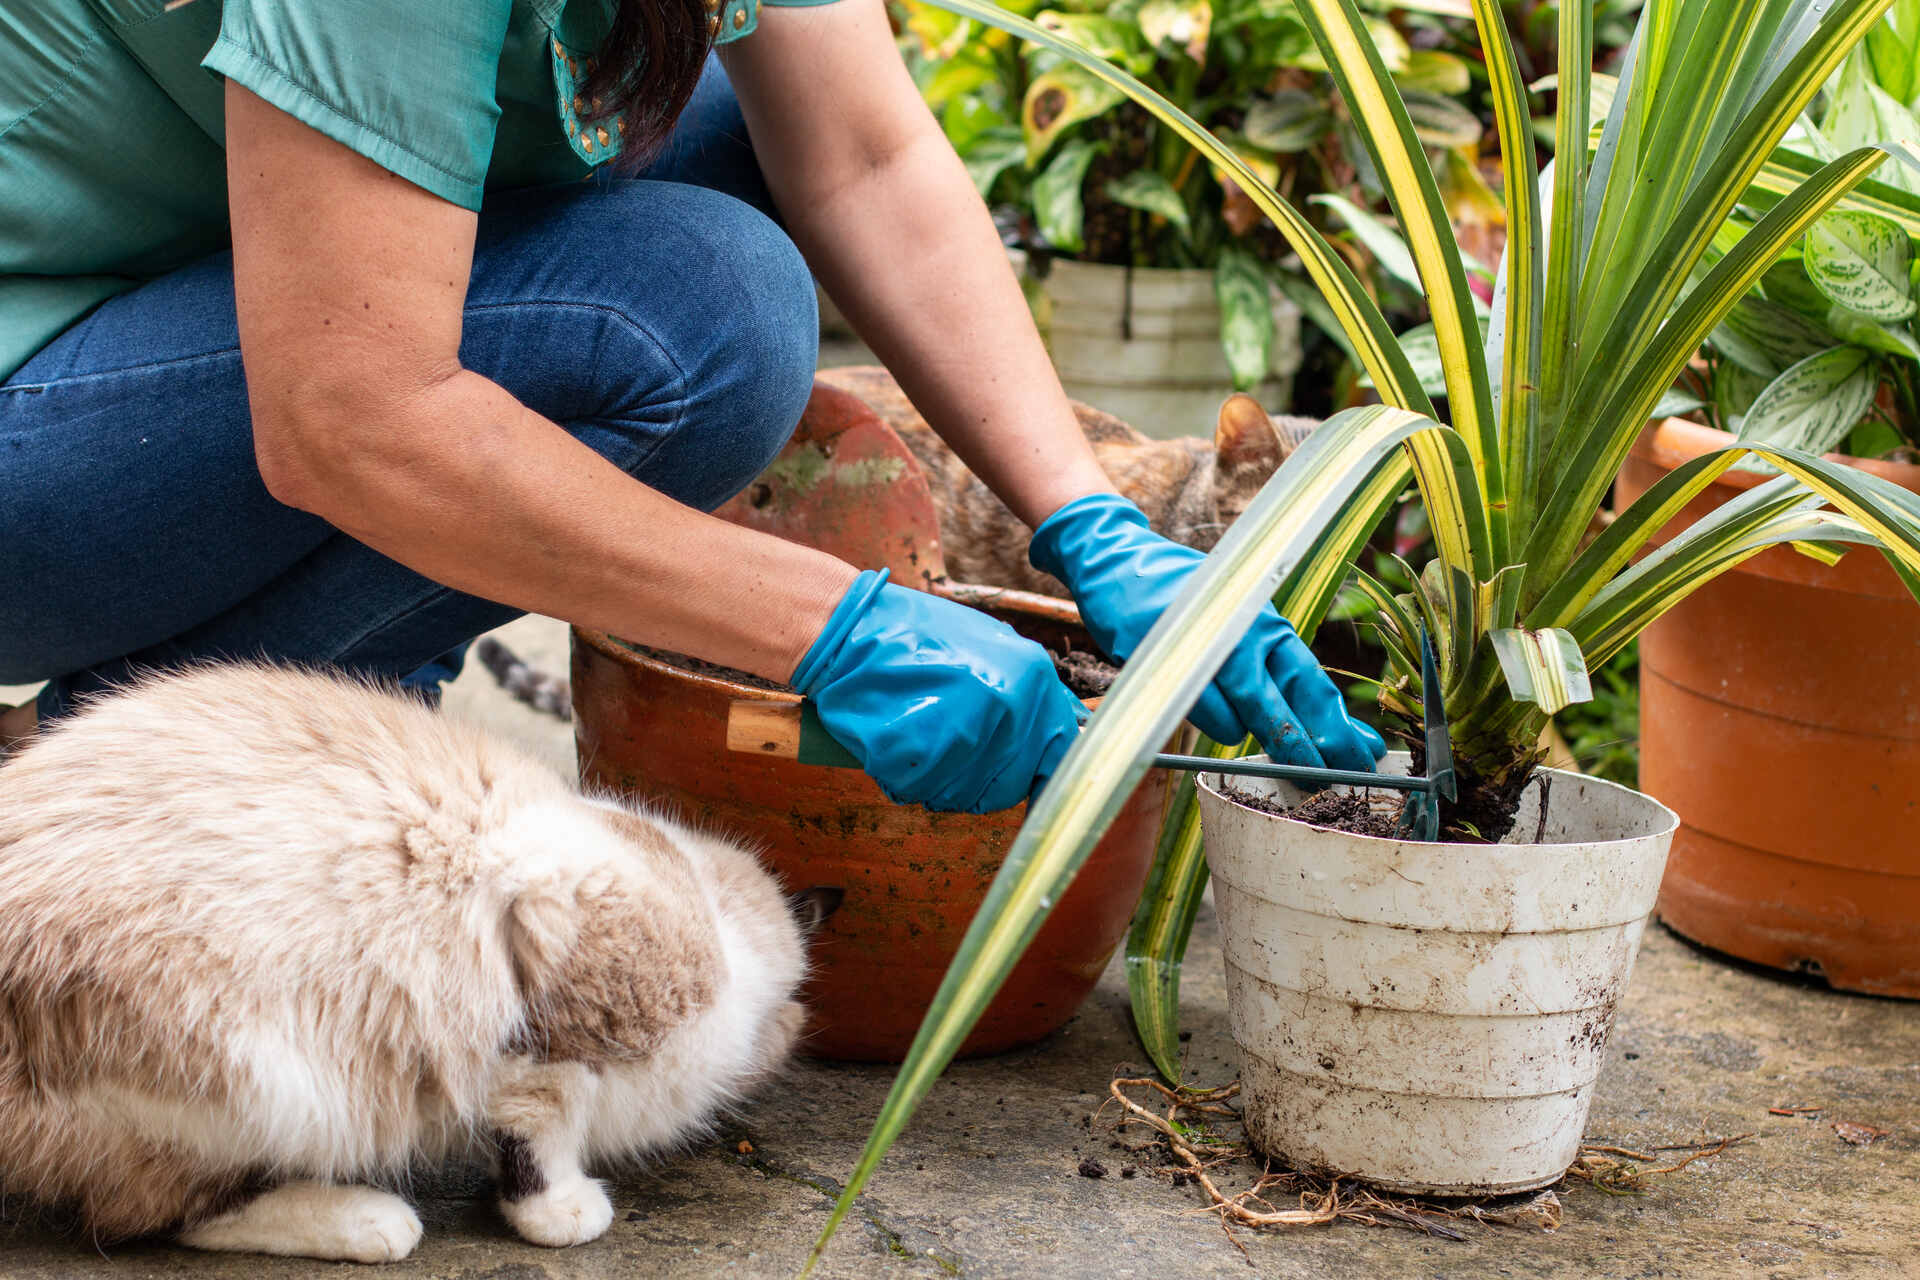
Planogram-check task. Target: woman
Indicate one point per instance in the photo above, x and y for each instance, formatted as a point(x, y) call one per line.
point(439, 381)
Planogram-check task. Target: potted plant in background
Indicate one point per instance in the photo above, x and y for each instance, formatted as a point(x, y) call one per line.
point(1781, 704)
point(1592, 326)
point(1159, 284)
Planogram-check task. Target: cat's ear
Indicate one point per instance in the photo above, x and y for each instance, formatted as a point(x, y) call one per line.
point(811, 907)
point(606, 972)
point(1244, 439)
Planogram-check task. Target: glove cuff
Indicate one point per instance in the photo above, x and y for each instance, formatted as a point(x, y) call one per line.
point(846, 615)
point(1062, 536)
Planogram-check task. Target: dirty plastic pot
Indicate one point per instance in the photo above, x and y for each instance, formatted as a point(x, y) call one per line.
point(913, 879)
point(1430, 1018)
point(1780, 715)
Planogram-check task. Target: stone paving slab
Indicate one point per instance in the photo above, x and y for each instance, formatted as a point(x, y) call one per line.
point(984, 1183)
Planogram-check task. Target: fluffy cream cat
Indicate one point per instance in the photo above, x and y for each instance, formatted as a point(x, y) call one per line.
point(267, 938)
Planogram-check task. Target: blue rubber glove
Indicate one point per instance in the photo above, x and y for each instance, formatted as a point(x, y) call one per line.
point(942, 705)
point(1123, 576)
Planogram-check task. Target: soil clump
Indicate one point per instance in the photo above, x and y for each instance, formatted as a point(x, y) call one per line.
point(1353, 811)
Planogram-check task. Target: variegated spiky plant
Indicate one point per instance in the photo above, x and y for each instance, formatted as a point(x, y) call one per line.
point(1612, 278)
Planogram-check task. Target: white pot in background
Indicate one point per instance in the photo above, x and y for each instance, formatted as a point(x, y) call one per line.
point(1430, 1017)
point(1150, 354)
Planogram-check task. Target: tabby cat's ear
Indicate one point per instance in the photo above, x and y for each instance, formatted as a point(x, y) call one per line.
point(1245, 437)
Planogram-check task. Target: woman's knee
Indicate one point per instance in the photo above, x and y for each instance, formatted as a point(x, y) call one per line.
point(672, 328)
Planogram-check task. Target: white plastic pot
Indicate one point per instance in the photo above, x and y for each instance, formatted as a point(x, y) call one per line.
point(1430, 1017)
point(1147, 350)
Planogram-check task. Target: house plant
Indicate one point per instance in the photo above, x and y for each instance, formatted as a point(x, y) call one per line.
point(1778, 701)
point(1156, 280)
point(1590, 329)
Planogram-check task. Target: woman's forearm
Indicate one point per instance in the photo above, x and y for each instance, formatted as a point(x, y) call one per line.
point(911, 256)
point(891, 224)
point(481, 494)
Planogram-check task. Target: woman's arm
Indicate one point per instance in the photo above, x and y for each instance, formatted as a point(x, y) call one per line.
point(889, 220)
point(350, 284)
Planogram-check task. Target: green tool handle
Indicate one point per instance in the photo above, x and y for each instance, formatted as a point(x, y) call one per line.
point(792, 731)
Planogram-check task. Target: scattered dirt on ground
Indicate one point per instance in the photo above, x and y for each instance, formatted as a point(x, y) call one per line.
point(1362, 813)
point(1091, 1168)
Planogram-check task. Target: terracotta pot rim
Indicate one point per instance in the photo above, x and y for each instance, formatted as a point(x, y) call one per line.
point(1671, 442)
point(975, 594)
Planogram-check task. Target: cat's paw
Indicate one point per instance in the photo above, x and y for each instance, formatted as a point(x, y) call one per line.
point(315, 1220)
point(572, 1213)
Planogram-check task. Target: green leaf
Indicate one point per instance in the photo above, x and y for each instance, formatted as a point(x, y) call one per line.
point(1764, 338)
point(1246, 316)
point(967, 119)
point(1096, 33)
point(1059, 100)
point(1434, 71)
point(1291, 120)
point(1860, 261)
point(1873, 439)
point(1815, 403)
point(1677, 403)
point(1893, 48)
point(1543, 667)
point(1864, 331)
point(1146, 190)
point(1442, 122)
point(1863, 113)
point(1057, 203)
point(1735, 389)
point(1179, 25)
point(1379, 239)
point(991, 155)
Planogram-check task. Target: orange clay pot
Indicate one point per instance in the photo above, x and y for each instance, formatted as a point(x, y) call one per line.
point(913, 879)
point(1780, 716)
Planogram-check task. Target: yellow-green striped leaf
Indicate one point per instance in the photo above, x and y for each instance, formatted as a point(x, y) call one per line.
point(1543, 667)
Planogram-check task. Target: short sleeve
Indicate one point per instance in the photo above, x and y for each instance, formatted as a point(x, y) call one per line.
point(408, 85)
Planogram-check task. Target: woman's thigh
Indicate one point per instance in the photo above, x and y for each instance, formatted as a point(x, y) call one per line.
point(669, 327)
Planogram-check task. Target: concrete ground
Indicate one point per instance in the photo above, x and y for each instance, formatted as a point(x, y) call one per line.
point(984, 1183)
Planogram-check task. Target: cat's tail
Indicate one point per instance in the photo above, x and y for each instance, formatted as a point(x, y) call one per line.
point(538, 689)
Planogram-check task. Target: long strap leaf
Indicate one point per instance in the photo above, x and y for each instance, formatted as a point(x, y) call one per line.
point(1585, 476)
point(1388, 132)
point(1305, 509)
point(1522, 286)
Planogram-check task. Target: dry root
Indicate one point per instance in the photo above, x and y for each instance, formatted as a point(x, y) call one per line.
point(1622, 1171)
point(1183, 1131)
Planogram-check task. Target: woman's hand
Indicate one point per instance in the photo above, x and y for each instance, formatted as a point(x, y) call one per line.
point(941, 704)
point(1123, 576)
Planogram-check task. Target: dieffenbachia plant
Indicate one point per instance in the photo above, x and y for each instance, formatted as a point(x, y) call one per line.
point(1597, 311)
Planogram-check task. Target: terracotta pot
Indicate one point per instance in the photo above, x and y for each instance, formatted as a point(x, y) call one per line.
point(913, 879)
point(1780, 716)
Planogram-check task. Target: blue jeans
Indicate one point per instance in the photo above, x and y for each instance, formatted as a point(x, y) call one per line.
point(666, 321)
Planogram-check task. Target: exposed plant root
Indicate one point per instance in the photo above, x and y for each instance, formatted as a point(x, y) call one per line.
point(1622, 1171)
point(1197, 1153)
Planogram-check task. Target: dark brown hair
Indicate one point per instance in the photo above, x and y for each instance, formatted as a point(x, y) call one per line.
point(646, 68)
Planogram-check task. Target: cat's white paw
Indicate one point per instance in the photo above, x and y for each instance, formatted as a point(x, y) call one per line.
point(315, 1220)
point(572, 1213)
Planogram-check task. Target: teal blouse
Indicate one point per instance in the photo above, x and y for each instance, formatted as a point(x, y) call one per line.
point(112, 168)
